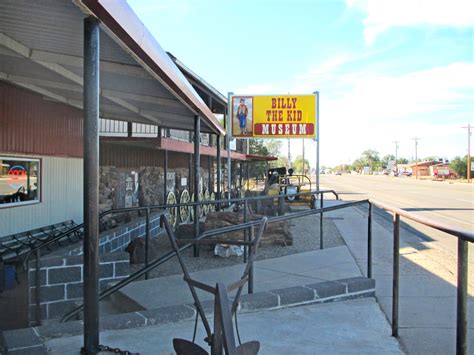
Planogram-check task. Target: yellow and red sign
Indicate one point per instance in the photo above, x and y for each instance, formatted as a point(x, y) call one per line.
point(275, 116)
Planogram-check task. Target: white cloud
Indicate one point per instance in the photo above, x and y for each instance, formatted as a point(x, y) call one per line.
point(365, 110)
point(257, 89)
point(384, 14)
point(382, 108)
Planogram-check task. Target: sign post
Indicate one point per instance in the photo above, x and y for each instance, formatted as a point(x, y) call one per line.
point(317, 140)
point(229, 136)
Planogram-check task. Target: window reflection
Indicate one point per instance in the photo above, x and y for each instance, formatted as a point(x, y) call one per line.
point(19, 181)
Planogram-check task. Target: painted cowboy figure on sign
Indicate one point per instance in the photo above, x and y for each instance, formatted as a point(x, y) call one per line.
point(242, 113)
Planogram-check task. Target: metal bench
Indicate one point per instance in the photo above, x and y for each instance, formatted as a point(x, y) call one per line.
point(16, 245)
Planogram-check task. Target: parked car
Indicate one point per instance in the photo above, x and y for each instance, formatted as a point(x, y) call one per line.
point(338, 173)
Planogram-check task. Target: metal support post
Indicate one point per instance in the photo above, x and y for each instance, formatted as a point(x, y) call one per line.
point(248, 175)
point(190, 173)
point(229, 170)
point(241, 172)
point(147, 239)
point(396, 273)
point(250, 282)
point(318, 137)
point(197, 176)
point(91, 184)
point(38, 288)
point(218, 168)
point(321, 230)
point(165, 191)
point(245, 230)
point(369, 242)
point(209, 173)
point(461, 308)
point(229, 133)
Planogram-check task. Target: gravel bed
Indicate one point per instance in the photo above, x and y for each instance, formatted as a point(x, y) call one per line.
point(305, 232)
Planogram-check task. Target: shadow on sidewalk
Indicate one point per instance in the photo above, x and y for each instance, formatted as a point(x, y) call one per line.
point(428, 281)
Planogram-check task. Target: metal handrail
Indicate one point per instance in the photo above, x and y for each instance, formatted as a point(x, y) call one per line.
point(464, 237)
point(50, 242)
point(243, 226)
point(166, 206)
point(458, 232)
point(147, 209)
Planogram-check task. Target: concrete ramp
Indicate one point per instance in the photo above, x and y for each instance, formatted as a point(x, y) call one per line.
point(271, 274)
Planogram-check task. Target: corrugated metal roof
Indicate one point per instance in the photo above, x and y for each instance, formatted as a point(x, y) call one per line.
point(41, 44)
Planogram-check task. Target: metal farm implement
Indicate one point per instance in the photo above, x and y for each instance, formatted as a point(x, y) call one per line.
point(222, 338)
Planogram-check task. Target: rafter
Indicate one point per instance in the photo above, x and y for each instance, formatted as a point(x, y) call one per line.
point(26, 52)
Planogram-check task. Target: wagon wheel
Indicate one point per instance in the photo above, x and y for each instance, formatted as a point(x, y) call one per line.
point(212, 207)
point(206, 207)
point(171, 200)
point(191, 209)
point(184, 210)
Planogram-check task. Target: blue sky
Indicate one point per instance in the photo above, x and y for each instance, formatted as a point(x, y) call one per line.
point(386, 70)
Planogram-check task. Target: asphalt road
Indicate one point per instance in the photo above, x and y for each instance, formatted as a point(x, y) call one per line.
point(448, 203)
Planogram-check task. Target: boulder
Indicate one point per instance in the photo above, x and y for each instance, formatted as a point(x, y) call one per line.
point(276, 233)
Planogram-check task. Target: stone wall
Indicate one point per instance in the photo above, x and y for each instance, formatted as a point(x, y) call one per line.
point(150, 189)
point(61, 282)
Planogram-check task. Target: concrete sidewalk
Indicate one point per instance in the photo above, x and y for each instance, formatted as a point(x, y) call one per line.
point(269, 274)
point(351, 327)
point(283, 313)
point(427, 313)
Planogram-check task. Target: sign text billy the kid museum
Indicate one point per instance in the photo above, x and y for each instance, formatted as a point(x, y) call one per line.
point(276, 116)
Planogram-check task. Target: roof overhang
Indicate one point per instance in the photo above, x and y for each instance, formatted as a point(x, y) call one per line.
point(41, 49)
point(216, 101)
point(171, 145)
point(257, 157)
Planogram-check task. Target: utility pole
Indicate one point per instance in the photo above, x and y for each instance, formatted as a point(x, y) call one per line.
point(468, 152)
point(303, 157)
point(416, 139)
point(396, 156)
point(289, 156)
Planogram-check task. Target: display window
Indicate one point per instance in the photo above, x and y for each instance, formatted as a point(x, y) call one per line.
point(20, 181)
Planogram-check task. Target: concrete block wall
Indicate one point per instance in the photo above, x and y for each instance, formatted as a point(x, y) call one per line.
point(61, 281)
point(61, 276)
point(118, 238)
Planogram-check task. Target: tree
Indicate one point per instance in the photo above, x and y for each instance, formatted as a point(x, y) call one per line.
point(298, 165)
point(274, 147)
point(258, 147)
point(460, 165)
point(368, 158)
point(386, 159)
point(402, 161)
point(282, 161)
point(431, 158)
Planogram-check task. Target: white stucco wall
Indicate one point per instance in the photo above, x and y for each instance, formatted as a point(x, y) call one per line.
point(61, 198)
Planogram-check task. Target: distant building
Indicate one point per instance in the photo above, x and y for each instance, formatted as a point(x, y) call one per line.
point(442, 170)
